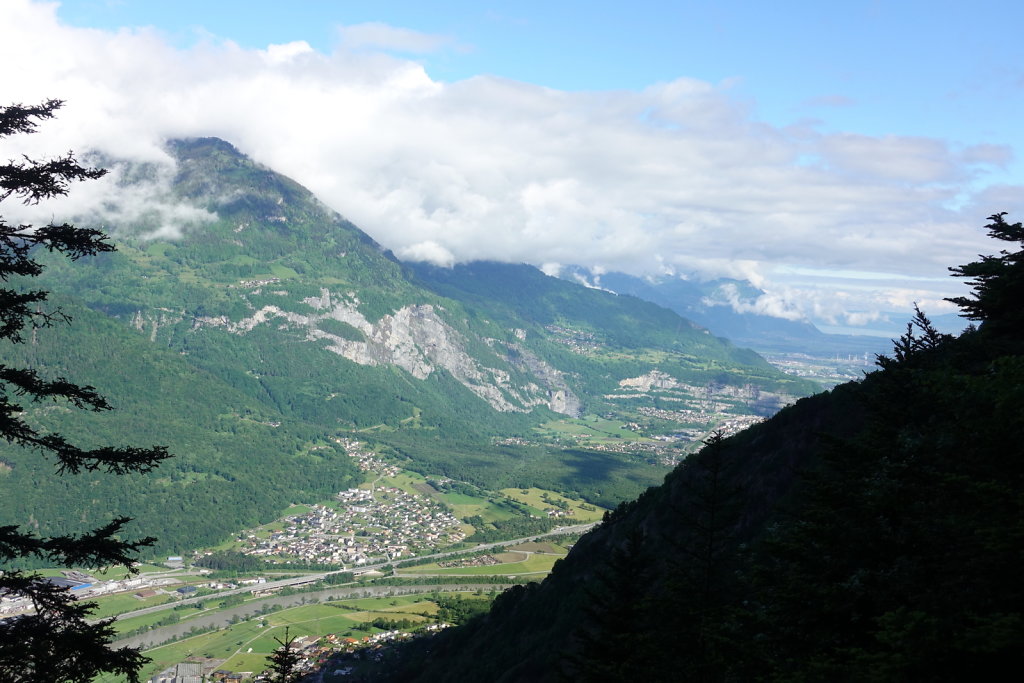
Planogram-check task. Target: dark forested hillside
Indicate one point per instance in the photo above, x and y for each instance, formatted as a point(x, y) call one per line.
point(870, 534)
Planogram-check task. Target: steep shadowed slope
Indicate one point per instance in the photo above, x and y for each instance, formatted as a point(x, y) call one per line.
point(872, 533)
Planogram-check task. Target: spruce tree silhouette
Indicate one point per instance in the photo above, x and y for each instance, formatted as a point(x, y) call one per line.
point(56, 642)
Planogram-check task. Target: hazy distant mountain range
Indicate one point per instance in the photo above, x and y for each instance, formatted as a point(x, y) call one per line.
point(708, 304)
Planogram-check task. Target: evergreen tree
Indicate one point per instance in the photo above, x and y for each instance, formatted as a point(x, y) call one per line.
point(998, 281)
point(893, 563)
point(56, 643)
point(284, 660)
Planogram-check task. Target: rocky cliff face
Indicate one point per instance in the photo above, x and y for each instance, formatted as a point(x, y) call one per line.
point(561, 398)
point(416, 339)
point(153, 320)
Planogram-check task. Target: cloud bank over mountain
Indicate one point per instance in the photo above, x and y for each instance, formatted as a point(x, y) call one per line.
point(676, 178)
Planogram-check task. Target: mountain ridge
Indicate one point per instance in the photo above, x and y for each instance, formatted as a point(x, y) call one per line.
point(319, 333)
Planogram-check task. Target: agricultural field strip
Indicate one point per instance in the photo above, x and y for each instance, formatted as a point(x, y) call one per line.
point(532, 563)
point(160, 636)
point(550, 502)
point(352, 617)
point(258, 640)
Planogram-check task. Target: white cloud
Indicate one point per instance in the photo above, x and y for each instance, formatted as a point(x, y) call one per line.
point(996, 155)
point(287, 52)
point(770, 304)
point(677, 178)
point(914, 160)
point(142, 208)
point(428, 251)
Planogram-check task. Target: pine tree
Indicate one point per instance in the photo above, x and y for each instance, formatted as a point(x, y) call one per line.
point(909, 347)
point(998, 281)
point(56, 642)
point(284, 661)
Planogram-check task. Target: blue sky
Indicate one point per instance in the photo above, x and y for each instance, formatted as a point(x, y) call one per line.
point(934, 68)
point(840, 155)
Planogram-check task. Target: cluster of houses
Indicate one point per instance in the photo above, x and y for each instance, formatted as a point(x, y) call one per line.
point(513, 441)
point(729, 424)
point(366, 461)
point(475, 561)
point(835, 369)
point(578, 341)
point(368, 648)
point(377, 523)
point(248, 284)
point(737, 423)
point(386, 523)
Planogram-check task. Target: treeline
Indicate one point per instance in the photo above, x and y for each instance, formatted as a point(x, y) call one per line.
point(455, 609)
point(505, 529)
point(231, 561)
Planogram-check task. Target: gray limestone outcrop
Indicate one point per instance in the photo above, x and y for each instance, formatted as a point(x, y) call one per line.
point(418, 340)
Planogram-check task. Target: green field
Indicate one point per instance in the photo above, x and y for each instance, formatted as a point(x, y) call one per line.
point(591, 428)
point(234, 643)
point(462, 499)
point(535, 564)
point(410, 482)
point(534, 498)
point(282, 271)
point(132, 623)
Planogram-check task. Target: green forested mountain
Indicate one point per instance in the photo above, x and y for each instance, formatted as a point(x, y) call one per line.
point(873, 533)
point(250, 336)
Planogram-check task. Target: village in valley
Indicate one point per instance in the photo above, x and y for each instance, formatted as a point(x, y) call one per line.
point(375, 521)
point(378, 523)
